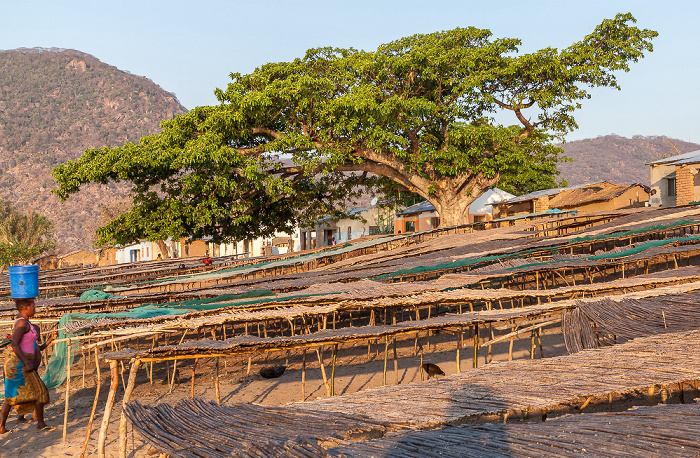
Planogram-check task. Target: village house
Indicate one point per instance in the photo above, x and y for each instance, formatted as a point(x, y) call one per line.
point(360, 223)
point(423, 216)
point(79, 258)
point(676, 178)
point(602, 196)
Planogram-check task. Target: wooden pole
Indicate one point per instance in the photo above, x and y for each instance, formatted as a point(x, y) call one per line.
point(396, 365)
point(476, 346)
point(335, 355)
point(114, 383)
point(459, 346)
point(127, 395)
point(216, 380)
point(386, 356)
point(94, 404)
point(319, 354)
point(172, 380)
point(532, 344)
point(303, 376)
point(194, 372)
point(65, 409)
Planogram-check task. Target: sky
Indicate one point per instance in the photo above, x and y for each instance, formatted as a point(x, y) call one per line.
point(190, 48)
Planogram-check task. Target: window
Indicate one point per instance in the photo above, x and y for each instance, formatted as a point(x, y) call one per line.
point(349, 233)
point(434, 222)
point(373, 230)
point(670, 187)
point(410, 226)
point(479, 218)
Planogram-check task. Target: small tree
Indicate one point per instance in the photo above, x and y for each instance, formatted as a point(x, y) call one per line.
point(415, 115)
point(23, 238)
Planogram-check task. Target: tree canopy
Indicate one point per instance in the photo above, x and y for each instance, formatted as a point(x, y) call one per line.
point(294, 141)
point(23, 238)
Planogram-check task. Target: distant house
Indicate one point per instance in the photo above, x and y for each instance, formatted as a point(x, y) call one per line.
point(584, 198)
point(423, 216)
point(676, 178)
point(342, 230)
point(78, 258)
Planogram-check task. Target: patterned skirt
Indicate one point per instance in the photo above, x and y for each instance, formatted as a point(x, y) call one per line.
point(23, 389)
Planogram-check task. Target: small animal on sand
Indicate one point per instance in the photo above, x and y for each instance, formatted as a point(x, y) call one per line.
point(272, 371)
point(431, 369)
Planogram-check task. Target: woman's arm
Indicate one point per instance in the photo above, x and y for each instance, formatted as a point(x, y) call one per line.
point(37, 348)
point(21, 328)
point(46, 344)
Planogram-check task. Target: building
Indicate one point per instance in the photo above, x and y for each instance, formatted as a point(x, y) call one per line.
point(80, 258)
point(360, 223)
point(602, 196)
point(676, 178)
point(423, 216)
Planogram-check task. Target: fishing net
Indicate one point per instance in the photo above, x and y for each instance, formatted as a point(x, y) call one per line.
point(56, 368)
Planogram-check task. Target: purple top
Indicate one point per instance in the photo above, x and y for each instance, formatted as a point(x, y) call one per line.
point(28, 339)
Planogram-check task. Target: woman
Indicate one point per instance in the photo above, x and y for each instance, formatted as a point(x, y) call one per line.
point(24, 389)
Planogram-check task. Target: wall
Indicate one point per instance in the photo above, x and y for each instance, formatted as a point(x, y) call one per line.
point(658, 177)
point(685, 189)
point(80, 258)
point(143, 251)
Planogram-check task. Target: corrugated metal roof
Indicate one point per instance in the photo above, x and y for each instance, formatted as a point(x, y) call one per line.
point(546, 193)
point(685, 158)
point(420, 207)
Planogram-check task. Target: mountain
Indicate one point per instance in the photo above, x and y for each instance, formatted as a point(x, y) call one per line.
point(617, 159)
point(54, 104)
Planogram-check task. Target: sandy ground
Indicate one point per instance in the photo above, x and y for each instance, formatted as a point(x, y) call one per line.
point(354, 372)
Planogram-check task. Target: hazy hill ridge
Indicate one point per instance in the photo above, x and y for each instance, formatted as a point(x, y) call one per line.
point(617, 159)
point(55, 103)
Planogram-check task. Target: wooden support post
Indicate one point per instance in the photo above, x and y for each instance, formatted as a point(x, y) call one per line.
point(194, 373)
point(396, 365)
point(532, 344)
point(250, 361)
point(459, 347)
point(386, 356)
point(319, 355)
point(476, 346)
point(127, 395)
point(335, 357)
point(303, 375)
point(94, 404)
point(216, 380)
point(172, 380)
point(65, 409)
point(114, 383)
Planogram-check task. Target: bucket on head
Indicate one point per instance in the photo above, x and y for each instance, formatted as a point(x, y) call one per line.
point(24, 281)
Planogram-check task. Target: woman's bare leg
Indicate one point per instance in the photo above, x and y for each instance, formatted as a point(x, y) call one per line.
point(39, 411)
point(4, 412)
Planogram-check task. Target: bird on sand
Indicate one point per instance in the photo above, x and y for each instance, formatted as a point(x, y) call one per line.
point(272, 371)
point(431, 369)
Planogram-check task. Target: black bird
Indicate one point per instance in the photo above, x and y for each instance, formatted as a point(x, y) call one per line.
point(431, 369)
point(272, 371)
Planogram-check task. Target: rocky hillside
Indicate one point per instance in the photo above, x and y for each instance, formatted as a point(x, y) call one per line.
point(616, 159)
point(55, 103)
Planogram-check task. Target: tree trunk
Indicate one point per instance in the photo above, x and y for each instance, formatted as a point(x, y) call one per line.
point(454, 196)
point(163, 248)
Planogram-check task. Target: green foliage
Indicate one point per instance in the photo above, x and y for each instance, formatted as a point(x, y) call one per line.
point(417, 112)
point(23, 237)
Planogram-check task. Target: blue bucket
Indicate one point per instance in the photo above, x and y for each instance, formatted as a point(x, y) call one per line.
point(24, 281)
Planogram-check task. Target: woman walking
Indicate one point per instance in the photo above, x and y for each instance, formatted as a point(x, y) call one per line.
point(24, 389)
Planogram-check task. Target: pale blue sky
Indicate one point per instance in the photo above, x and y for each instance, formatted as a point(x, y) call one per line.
point(189, 48)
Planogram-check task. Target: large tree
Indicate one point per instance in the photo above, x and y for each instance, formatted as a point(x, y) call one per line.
point(417, 114)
